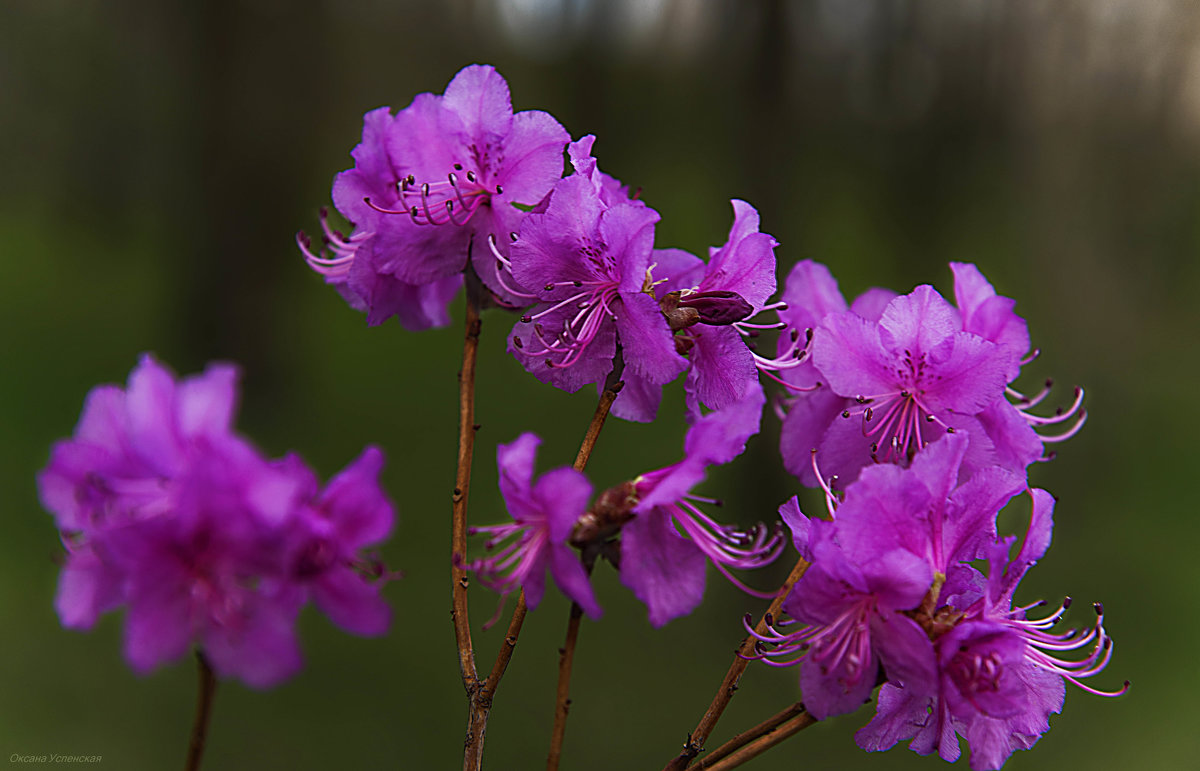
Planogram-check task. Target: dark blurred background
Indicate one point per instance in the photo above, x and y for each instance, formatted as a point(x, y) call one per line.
point(157, 159)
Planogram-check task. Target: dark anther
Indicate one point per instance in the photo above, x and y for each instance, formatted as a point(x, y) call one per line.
point(414, 211)
point(949, 429)
point(577, 284)
point(928, 418)
point(527, 318)
point(795, 335)
point(845, 413)
point(425, 189)
point(870, 414)
point(476, 427)
point(470, 176)
point(1067, 603)
point(904, 394)
point(1099, 607)
point(499, 190)
point(458, 167)
point(548, 287)
point(517, 342)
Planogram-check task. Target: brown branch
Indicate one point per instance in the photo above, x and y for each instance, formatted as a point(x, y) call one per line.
point(204, 697)
point(481, 698)
point(484, 692)
point(562, 702)
point(462, 485)
point(747, 736)
point(762, 744)
point(729, 685)
point(566, 654)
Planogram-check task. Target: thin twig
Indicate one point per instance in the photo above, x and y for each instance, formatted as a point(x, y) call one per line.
point(762, 744)
point(481, 699)
point(566, 654)
point(562, 702)
point(484, 692)
point(204, 697)
point(747, 736)
point(477, 720)
point(462, 485)
point(729, 685)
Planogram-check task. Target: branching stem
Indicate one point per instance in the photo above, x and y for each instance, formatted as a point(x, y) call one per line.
point(566, 654)
point(757, 746)
point(710, 760)
point(729, 685)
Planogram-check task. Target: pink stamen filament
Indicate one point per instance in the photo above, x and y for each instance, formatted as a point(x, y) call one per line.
point(343, 250)
point(1040, 642)
point(725, 545)
point(831, 499)
point(900, 428)
point(518, 557)
point(1075, 411)
point(578, 332)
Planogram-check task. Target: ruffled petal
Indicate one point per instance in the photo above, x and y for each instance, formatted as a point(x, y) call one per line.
point(664, 569)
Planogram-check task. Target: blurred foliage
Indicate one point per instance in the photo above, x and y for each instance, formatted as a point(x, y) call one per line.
point(158, 158)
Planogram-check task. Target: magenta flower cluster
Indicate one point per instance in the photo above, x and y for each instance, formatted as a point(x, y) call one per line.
point(164, 510)
point(892, 594)
point(900, 408)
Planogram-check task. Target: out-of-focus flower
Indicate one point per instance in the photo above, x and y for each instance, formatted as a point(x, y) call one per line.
point(163, 509)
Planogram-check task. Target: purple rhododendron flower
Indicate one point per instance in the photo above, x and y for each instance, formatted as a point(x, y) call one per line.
point(664, 568)
point(544, 512)
point(1000, 674)
point(586, 257)
point(891, 584)
point(430, 188)
point(890, 374)
point(709, 304)
point(163, 509)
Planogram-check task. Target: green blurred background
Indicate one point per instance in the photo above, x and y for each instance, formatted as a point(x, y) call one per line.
point(157, 159)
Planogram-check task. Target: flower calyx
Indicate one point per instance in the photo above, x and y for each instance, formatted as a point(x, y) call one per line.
point(612, 509)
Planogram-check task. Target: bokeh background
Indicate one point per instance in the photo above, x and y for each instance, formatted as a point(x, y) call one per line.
point(157, 158)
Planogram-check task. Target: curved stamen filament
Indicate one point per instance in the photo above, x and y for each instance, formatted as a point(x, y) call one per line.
point(1075, 412)
point(1041, 643)
point(831, 499)
point(343, 249)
